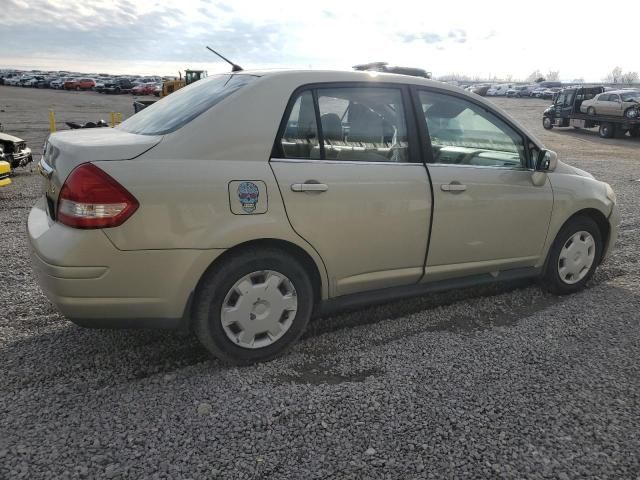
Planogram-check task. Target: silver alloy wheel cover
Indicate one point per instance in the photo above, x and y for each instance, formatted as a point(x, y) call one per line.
point(547, 121)
point(576, 257)
point(259, 309)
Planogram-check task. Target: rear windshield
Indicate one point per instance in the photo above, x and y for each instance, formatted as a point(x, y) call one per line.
point(182, 106)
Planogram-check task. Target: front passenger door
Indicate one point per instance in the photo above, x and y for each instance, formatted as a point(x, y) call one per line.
point(488, 213)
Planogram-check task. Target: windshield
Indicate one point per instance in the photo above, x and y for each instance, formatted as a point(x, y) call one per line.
point(179, 108)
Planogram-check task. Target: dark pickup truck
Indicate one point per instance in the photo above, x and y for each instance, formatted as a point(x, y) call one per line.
point(565, 112)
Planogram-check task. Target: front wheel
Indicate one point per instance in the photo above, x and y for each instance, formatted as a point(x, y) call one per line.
point(591, 111)
point(573, 257)
point(547, 123)
point(632, 113)
point(253, 307)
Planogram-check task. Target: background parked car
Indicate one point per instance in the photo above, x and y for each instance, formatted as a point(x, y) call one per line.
point(80, 84)
point(143, 89)
point(537, 92)
point(499, 90)
point(549, 93)
point(118, 85)
point(480, 90)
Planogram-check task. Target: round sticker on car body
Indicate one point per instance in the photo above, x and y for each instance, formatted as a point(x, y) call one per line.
point(248, 197)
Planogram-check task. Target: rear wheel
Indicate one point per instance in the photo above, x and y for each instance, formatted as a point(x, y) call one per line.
point(606, 130)
point(591, 111)
point(253, 307)
point(547, 123)
point(573, 257)
point(634, 132)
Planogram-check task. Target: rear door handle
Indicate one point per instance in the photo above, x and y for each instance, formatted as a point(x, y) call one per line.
point(453, 187)
point(309, 187)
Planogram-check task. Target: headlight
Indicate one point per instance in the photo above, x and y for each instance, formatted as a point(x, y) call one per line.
point(611, 195)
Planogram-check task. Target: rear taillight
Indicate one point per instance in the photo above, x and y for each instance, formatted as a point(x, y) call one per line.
point(90, 198)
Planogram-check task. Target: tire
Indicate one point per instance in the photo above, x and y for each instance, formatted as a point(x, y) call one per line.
point(547, 124)
point(77, 89)
point(634, 132)
point(591, 111)
point(559, 276)
point(223, 286)
point(631, 113)
point(606, 130)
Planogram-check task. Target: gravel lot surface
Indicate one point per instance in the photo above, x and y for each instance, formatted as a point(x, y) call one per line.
point(503, 381)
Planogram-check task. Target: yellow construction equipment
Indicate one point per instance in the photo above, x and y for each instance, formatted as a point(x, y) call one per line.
point(190, 76)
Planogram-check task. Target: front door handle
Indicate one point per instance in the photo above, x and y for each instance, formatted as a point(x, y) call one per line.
point(453, 187)
point(309, 187)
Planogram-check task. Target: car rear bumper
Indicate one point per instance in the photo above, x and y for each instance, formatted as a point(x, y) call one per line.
point(96, 285)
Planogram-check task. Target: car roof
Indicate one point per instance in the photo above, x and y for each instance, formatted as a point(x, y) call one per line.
point(622, 91)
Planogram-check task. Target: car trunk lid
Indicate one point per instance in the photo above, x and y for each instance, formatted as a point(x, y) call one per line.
point(65, 150)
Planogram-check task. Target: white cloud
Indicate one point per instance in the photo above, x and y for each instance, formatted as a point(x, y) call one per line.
point(465, 36)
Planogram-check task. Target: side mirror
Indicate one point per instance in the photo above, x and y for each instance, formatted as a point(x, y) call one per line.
point(547, 161)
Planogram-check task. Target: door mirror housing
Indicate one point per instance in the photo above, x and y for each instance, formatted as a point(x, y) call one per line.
point(547, 161)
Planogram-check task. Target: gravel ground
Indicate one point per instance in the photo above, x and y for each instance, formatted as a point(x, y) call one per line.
point(504, 381)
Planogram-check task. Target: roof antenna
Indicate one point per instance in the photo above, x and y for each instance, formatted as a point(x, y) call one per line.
point(234, 67)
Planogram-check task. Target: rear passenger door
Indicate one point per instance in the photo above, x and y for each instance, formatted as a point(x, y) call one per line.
point(347, 164)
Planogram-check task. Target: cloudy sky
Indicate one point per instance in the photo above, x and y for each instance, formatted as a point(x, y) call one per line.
point(476, 38)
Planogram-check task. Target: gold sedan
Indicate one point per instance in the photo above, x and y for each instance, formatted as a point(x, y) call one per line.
point(620, 103)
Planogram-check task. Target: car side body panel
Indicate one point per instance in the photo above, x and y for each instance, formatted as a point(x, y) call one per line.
point(574, 193)
point(188, 204)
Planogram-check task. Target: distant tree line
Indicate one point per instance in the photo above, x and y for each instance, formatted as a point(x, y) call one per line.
point(615, 76)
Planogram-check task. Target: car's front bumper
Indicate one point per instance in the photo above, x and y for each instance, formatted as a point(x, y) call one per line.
point(614, 228)
point(21, 158)
point(96, 285)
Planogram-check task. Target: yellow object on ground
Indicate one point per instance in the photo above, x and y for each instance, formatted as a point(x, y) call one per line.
point(52, 121)
point(5, 171)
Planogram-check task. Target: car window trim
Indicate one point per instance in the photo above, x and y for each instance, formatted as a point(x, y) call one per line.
point(423, 127)
point(412, 132)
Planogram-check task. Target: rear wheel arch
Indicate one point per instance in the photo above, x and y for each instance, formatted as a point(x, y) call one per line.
point(286, 247)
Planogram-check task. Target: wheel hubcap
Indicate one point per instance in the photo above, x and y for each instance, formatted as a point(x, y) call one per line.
point(576, 257)
point(259, 309)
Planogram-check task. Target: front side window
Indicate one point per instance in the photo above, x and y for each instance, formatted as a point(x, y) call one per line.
point(463, 133)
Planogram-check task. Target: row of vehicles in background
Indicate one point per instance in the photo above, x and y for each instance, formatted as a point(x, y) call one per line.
point(536, 90)
point(101, 83)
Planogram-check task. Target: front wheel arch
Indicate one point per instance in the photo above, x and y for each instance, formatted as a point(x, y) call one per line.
point(601, 221)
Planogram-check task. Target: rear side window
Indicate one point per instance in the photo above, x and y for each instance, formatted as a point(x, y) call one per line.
point(361, 124)
point(300, 136)
point(182, 106)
